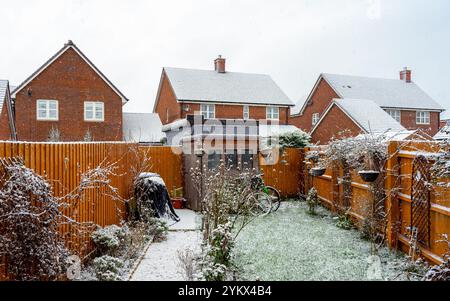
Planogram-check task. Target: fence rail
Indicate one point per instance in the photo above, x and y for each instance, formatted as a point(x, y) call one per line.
point(62, 164)
point(397, 183)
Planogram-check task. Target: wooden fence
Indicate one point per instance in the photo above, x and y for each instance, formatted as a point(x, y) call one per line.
point(287, 174)
point(64, 163)
point(332, 186)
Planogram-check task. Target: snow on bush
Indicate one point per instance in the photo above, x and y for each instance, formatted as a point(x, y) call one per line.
point(108, 268)
point(362, 152)
point(109, 239)
point(29, 219)
point(312, 200)
point(440, 170)
point(218, 254)
point(294, 140)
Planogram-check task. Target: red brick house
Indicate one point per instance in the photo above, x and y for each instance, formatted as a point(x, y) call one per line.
point(402, 99)
point(219, 94)
point(68, 94)
point(7, 126)
point(355, 117)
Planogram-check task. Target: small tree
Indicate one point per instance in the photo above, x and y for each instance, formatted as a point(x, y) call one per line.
point(88, 136)
point(54, 135)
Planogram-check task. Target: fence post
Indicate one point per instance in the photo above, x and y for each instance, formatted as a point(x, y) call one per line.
point(392, 204)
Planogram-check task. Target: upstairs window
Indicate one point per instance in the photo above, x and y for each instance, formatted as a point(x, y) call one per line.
point(47, 109)
point(422, 117)
point(315, 118)
point(246, 113)
point(208, 111)
point(94, 111)
point(272, 113)
point(396, 114)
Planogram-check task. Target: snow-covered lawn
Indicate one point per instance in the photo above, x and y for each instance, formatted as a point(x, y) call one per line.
point(293, 245)
point(160, 261)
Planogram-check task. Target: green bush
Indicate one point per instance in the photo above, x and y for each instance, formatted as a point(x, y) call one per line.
point(296, 139)
point(107, 268)
point(109, 239)
point(158, 229)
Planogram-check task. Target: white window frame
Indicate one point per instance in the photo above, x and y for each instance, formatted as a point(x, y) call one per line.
point(396, 114)
point(315, 118)
point(47, 110)
point(94, 111)
point(272, 113)
point(423, 117)
point(208, 110)
point(246, 112)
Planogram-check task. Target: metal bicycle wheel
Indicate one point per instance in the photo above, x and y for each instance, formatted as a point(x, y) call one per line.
point(261, 204)
point(274, 196)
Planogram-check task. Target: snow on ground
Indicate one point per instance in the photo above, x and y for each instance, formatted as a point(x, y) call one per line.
point(293, 245)
point(160, 262)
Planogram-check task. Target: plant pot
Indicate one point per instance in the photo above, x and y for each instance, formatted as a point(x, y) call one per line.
point(317, 171)
point(369, 176)
point(178, 203)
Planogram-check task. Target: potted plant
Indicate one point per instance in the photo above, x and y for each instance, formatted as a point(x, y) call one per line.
point(320, 168)
point(369, 176)
point(178, 202)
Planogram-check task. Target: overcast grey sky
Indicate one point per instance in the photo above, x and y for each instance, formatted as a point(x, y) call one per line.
point(293, 41)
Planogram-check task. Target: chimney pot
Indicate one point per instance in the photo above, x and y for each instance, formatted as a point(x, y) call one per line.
point(219, 64)
point(405, 75)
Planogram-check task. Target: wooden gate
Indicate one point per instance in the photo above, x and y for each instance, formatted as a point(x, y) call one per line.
point(420, 196)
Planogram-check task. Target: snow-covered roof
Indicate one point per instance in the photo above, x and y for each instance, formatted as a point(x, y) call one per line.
point(142, 127)
point(176, 125)
point(388, 93)
point(390, 135)
point(277, 130)
point(368, 115)
point(230, 87)
point(443, 134)
point(3, 89)
point(298, 106)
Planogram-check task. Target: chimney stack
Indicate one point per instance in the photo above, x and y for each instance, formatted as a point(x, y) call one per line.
point(405, 75)
point(219, 64)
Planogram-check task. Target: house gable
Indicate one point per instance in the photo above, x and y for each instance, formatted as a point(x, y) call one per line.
point(7, 124)
point(72, 81)
point(69, 46)
point(318, 101)
point(333, 122)
point(166, 104)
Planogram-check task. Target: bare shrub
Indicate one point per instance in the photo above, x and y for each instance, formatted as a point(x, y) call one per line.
point(29, 220)
point(187, 263)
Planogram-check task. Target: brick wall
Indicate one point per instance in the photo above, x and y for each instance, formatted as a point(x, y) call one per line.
point(5, 131)
point(167, 106)
point(408, 120)
point(334, 122)
point(320, 100)
point(71, 81)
